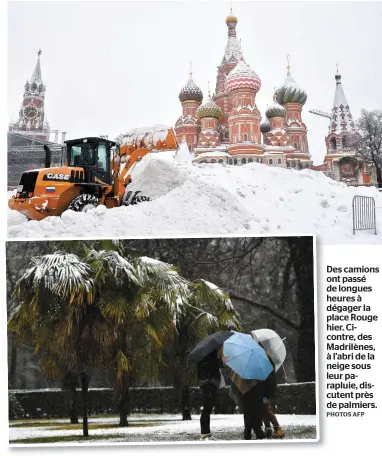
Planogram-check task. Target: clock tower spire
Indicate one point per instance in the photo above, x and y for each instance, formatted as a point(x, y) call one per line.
point(31, 120)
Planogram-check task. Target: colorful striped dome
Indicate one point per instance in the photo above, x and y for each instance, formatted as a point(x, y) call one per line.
point(209, 109)
point(275, 110)
point(191, 92)
point(290, 92)
point(242, 77)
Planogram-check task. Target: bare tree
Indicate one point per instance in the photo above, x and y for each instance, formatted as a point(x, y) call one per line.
point(369, 140)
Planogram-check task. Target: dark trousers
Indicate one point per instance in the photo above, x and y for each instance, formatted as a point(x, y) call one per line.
point(209, 391)
point(253, 411)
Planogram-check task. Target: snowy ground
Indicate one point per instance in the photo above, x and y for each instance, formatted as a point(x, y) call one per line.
point(159, 428)
point(194, 199)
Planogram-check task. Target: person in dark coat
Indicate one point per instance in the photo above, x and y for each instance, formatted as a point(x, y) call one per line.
point(208, 373)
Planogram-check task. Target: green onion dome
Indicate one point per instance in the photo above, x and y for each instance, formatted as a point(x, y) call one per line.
point(290, 92)
point(275, 110)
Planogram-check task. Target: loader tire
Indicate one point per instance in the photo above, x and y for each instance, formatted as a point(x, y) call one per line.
point(131, 198)
point(83, 202)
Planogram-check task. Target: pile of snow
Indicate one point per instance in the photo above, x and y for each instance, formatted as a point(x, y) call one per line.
point(196, 199)
point(149, 135)
point(183, 154)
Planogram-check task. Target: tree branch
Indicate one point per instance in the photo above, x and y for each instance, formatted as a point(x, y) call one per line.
point(267, 309)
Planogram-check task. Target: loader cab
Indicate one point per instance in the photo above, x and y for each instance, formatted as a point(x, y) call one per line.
point(93, 155)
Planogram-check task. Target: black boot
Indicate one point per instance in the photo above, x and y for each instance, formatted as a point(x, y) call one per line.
point(247, 433)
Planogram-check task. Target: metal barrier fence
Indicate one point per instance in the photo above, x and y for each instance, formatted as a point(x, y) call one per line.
point(364, 214)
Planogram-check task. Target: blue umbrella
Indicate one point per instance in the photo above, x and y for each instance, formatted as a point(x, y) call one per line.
point(245, 356)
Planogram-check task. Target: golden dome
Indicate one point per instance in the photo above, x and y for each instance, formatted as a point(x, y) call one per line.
point(231, 18)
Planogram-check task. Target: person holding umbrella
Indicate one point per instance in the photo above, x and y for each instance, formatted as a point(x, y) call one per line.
point(276, 352)
point(208, 373)
point(251, 367)
point(208, 364)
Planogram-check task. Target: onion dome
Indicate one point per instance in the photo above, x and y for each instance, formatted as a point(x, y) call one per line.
point(290, 92)
point(191, 92)
point(275, 110)
point(231, 18)
point(209, 109)
point(242, 77)
point(265, 126)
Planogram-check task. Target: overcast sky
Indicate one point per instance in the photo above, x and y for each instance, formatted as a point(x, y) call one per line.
point(112, 66)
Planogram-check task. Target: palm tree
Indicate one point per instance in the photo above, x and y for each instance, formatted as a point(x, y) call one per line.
point(140, 300)
point(58, 316)
point(91, 309)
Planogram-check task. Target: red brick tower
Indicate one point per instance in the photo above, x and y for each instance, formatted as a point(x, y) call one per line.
point(31, 121)
point(209, 114)
point(292, 97)
point(242, 85)
point(187, 126)
point(232, 55)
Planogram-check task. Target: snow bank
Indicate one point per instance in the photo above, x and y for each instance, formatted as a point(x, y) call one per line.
point(208, 199)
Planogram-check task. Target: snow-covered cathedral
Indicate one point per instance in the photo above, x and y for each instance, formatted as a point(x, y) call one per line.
point(228, 128)
point(342, 162)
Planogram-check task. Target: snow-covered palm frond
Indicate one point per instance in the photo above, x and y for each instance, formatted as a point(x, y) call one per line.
point(207, 292)
point(163, 284)
point(207, 295)
point(53, 281)
point(207, 318)
point(111, 267)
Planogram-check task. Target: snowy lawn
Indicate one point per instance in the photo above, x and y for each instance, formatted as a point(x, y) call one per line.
point(194, 199)
point(149, 428)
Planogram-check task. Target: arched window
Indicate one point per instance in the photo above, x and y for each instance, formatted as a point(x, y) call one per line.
point(333, 143)
point(250, 160)
point(235, 161)
point(270, 161)
point(279, 161)
point(243, 161)
point(288, 165)
point(346, 141)
point(230, 161)
point(221, 161)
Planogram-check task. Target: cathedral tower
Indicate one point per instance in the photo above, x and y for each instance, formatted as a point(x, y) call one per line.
point(292, 97)
point(232, 55)
point(187, 127)
point(209, 114)
point(242, 85)
point(31, 120)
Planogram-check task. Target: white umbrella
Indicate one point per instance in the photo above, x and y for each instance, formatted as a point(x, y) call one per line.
point(272, 343)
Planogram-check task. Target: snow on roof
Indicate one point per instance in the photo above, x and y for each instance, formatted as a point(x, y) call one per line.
point(36, 75)
point(213, 154)
point(341, 119)
point(232, 49)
